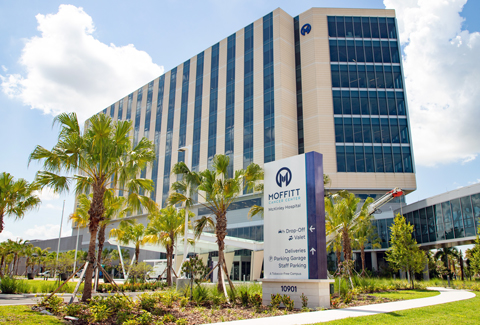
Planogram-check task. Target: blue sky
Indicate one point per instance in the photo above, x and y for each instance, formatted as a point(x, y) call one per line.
point(47, 53)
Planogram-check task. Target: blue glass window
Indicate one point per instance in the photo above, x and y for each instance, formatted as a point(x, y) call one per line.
point(268, 90)
point(230, 102)
point(120, 110)
point(169, 136)
point(197, 117)
point(212, 122)
point(138, 116)
point(112, 111)
point(129, 107)
point(148, 111)
point(156, 137)
point(341, 166)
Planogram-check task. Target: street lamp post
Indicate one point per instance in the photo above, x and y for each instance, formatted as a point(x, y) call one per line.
point(59, 236)
point(187, 150)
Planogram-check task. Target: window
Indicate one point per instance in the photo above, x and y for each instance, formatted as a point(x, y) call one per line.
point(341, 166)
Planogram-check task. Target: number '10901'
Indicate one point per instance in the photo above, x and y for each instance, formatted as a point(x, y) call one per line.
point(289, 288)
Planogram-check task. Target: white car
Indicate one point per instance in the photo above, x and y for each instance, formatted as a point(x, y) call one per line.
point(46, 274)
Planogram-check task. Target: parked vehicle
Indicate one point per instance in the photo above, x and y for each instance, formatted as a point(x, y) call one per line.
point(45, 274)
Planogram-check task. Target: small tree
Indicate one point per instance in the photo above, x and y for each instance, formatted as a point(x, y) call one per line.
point(404, 253)
point(366, 233)
point(475, 256)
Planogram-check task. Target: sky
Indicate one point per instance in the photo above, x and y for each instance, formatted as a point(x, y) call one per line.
point(85, 55)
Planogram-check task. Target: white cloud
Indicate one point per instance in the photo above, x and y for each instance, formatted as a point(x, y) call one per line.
point(67, 69)
point(47, 194)
point(47, 231)
point(442, 79)
point(4, 235)
point(4, 68)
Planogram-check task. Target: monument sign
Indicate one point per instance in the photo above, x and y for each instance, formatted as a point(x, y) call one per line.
point(295, 259)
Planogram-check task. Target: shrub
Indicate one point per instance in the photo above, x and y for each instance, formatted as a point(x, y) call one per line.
point(100, 312)
point(8, 285)
point(288, 302)
point(276, 300)
point(145, 318)
point(304, 300)
point(73, 309)
point(169, 318)
point(183, 301)
point(182, 321)
point(200, 295)
point(256, 300)
point(244, 298)
point(147, 301)
point(54, 303)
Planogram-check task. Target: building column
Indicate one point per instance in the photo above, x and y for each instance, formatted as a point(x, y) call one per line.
point(229, 261)
point(426, 273)
point(374, 261)
point(256, 265)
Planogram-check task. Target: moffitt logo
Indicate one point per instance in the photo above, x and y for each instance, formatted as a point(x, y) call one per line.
point(286, 178)
point(306, 29)
point(283, 179)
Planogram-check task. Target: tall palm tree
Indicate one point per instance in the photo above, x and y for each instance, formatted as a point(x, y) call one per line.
point(102, 156)
point(5, 250)
point(342, 208)
point(130, 232)
point(216, 191)
point(16, 197)
point(164, 227)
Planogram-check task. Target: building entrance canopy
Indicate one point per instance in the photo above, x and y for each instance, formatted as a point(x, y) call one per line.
point(205, 244)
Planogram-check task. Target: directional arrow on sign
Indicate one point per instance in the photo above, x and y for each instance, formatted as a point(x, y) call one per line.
point(313, 250)
point(312, 229)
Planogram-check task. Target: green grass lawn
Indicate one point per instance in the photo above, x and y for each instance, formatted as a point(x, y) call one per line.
point(406, 294)
point(13, 315)
point(460, 312)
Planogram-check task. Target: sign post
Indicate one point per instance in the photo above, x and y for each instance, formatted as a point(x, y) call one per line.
point(295, 257)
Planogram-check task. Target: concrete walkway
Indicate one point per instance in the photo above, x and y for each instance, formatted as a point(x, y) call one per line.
point(446, 295)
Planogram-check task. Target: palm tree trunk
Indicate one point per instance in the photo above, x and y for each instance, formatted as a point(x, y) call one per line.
point(2, 226)
point(1, 265)
point(221, 230)
point(338, 252)
point(362, 254)
point(101, 242)
point(96, 214)
point(169, 265)
point(137, 252)
point(87, 289)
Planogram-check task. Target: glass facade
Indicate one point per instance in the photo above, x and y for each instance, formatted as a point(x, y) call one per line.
point(129, 107)
point(156, 137)
point(268, 91)
point(298, 81)
point(148, 110)
point(212, 116)
point(112, 111)
point(371, 125)
point(197, 115)
point(138, 116)
point(230, 102)
point(120, 110)
point(248, 98)
point(454, 219)
point(169, 136)
point(182, 137)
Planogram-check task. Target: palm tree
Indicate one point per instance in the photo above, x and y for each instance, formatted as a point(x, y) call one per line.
point(448, 255)
point(28, 251)
point(130, 231)
point(5, 250)
point(164, 228)
point(217, 190)
point(39, 254)
point(342, 208)
point(16, 197)
point(366, 232)
point(114, 208)
point(103, 157)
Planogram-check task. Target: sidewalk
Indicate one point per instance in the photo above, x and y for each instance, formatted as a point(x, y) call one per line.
point(446, 295)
